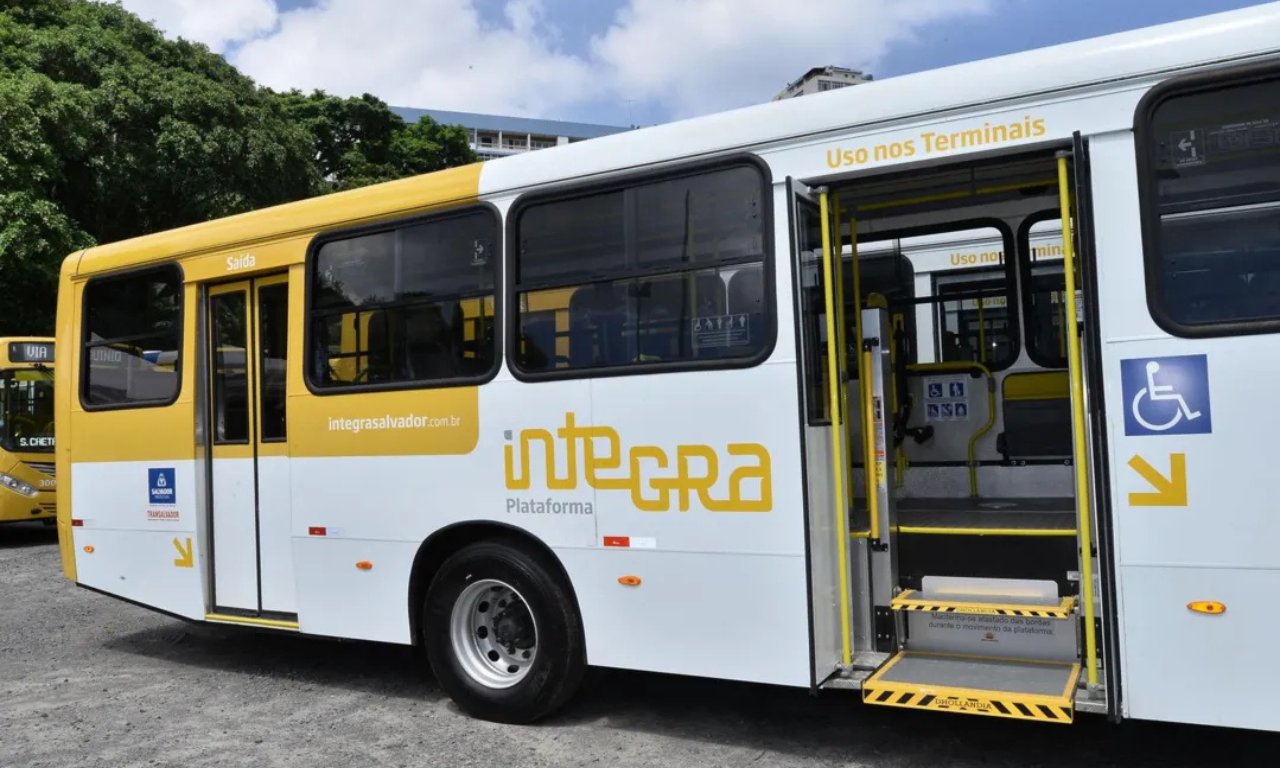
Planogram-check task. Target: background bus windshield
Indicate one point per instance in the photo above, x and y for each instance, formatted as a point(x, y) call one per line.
point(27, 411)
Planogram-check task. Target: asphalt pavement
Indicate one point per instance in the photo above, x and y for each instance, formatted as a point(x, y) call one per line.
point(86, 680)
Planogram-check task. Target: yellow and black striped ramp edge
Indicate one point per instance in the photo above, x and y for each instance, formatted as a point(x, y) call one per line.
point(909, 600)
point(886, 689)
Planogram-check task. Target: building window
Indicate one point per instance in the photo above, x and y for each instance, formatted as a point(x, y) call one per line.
point(1211, 203)
point(132, 339)
point(660, 273)
point(408, 305)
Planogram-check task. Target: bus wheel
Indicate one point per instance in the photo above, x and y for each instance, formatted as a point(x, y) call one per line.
point(502, 634)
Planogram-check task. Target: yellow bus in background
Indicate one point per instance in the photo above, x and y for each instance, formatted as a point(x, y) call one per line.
point(26, 430)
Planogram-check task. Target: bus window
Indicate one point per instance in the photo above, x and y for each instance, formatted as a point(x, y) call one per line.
point(642, 275)
point(26, 410)
point(132, 339)
point(1212, 205)
point(961, 287)
point(1044, 292)
point(412, 304)
point(228, 312)
point(974, 320)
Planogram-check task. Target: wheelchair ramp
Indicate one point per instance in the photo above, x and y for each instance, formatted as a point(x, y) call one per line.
point(1021, 690)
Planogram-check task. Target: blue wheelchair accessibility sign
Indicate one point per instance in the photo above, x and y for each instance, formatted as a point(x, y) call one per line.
point(1166, 395)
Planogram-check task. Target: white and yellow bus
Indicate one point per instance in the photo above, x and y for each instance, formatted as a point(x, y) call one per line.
point(814, 393)
point(27, 487)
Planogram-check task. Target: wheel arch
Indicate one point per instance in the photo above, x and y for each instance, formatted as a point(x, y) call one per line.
point(444, 542)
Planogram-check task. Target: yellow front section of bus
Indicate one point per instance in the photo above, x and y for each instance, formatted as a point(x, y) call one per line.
point(272, 241)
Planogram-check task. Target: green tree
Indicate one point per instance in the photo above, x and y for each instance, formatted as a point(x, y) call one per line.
point(360, 141)
point(109, 131)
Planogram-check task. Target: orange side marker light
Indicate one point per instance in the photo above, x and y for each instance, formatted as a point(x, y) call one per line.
point(629, 581)
point(1211, 607)
point(365, 565)
point(88, 548)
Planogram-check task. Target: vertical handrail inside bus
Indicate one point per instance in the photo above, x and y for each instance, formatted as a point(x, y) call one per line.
point(1079, 457)
point(833, 403)
point(863, 412)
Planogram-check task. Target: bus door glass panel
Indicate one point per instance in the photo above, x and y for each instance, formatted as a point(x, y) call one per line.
point(274, 500)
point(234, 507)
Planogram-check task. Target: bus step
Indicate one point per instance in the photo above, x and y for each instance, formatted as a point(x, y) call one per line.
point(1021, 690)
point(1008, 605)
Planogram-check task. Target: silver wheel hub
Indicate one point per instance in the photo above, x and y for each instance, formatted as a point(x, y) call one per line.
point(493, 633)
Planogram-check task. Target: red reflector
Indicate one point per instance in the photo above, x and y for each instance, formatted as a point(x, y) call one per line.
point(316, 530)
point(617, 541)
point(77, 523)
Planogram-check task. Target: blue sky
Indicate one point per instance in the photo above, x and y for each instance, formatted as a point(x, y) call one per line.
point(623, 61)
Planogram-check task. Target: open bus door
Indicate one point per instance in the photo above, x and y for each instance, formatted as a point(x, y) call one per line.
point(948, 631)
point(844, 380)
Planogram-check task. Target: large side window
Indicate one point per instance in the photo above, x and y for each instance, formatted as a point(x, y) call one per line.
point(672, 271)
point(407, 305)
point(1212, 203)
point(132, 339)
point(1044, 289)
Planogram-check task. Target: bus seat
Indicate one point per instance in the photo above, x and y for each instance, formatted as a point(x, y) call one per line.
point(429, 353)
point(596, 317)
point(538, 334)
point(1037, 416)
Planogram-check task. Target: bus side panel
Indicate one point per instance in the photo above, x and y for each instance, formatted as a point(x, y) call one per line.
point(729, 616)
point(1205, 533)
point(378, 492)
point(339, 599)
point(731, 558)
point(138, 492)
point(122, 549)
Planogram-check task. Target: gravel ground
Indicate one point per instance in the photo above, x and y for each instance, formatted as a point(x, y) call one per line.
point(89, 681)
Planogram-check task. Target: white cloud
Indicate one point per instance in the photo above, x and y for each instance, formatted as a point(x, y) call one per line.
point(434, 53)
point(677, 57)
point(216, 23)
point(705, 56)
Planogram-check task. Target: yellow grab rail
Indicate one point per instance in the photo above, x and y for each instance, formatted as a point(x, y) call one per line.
point(1078, 435)
point(834, 386)
point(958, 366)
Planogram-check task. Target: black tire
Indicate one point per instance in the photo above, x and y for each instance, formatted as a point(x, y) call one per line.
point(560, 661)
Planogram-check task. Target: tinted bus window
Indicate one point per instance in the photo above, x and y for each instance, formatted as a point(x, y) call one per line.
point(411, 304)
point(1213, 161)
point(669, 271)
point(132, 339)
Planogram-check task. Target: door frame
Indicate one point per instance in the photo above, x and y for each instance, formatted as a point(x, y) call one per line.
point(250, 286)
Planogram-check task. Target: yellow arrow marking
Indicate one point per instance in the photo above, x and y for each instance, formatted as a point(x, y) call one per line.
point(186, 555)
point(1169, 491)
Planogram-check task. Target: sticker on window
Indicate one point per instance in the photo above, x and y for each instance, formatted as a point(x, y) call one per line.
point(722, 330)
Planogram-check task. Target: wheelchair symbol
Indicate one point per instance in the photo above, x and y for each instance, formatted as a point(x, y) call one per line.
point(1161, 393)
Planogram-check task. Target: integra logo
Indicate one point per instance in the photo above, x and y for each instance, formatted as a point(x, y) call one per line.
point(648, 472)
point(161, 486)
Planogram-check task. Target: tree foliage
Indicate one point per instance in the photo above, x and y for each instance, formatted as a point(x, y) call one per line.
point(108, 131)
